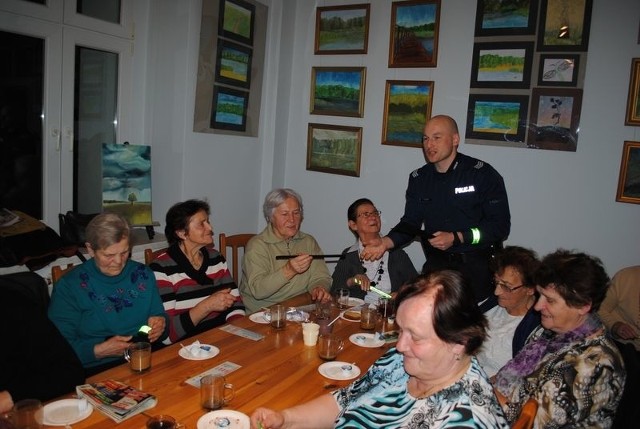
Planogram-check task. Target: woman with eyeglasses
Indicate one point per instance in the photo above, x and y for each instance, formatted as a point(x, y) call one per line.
point(387, 274)
point(514, 318)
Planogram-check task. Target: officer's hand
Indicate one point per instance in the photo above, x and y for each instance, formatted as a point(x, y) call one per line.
point(441, 240)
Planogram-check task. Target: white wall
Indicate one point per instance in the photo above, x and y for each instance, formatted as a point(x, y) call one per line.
point(557, 199)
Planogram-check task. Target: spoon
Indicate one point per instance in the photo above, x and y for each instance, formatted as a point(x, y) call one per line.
point(332, 322)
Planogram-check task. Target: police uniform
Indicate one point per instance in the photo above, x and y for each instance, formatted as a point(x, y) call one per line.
point(470, 198)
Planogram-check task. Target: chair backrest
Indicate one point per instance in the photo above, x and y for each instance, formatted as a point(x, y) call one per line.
point(527, 415)
point(58, 271)
point(236, 242)
point(150, 255)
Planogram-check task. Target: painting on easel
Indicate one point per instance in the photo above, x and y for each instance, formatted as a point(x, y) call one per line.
point(126, 182)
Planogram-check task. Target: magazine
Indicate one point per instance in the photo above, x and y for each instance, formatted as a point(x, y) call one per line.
point(116, 400)
point(8, 218)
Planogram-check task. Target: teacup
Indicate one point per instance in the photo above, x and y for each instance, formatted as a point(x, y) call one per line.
point(329, 346)
point(139, 356)
point(212, 392)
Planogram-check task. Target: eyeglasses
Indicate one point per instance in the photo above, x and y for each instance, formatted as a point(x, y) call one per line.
point(505, 286)
point(367, 215)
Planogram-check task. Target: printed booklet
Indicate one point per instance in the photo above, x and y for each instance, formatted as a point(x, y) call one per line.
point(116, 400)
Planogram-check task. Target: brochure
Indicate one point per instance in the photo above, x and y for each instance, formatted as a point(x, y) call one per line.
point(116, 400)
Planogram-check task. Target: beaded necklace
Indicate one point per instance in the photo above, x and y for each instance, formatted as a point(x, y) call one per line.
point(379, 272)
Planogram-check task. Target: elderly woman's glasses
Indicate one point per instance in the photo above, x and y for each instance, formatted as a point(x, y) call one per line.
point(367, 215)
point(505, 286)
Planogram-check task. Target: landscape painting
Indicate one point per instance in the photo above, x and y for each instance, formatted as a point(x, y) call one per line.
point(414, 33)
point(502, 65)
point(334, 149)
point(629, 180)
point(234, 64)
point(337, 91)
point(342, 29)
point(126, 182)
point(505, 17)
point(407, 109)
point(236, 20)
point(229, 110)
point(497, 117)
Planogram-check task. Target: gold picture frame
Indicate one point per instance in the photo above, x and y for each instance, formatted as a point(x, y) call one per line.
point(629, 180)
point(633, 99)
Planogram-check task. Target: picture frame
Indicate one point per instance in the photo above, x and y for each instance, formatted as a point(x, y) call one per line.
point(502, 65)
point(555, 118)
point(629, 180)
point(407, 108)
point(558, 69)
point(500, 117)
point(506, 18)
point(236, 21)
point(414, 33)
point(633, 98)
point(342, 29)
point(337, 91)
point(233, 64)
point(229, 108)
point(334, 149)
point(564, 25)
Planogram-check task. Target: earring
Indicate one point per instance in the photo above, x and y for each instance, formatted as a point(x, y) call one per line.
point(457, 356)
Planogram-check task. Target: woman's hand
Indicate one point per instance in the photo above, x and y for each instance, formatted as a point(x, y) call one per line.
point(264, 418)
point(6, 401)
point(157, 324)
point(300, 263)
point(320, 294)
point(114, 346)
point(219, 301)
point(624, 331)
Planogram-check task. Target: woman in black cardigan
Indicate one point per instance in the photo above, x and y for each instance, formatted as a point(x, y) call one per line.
point(387, 274)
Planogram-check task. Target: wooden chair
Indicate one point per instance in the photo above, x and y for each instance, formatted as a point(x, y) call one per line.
point(236, 242)
point(527, 415)
point(150, 255)
point(58, 271)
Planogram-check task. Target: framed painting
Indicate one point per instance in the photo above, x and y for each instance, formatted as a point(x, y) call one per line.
point(334, 149)
point(633, 99)
point(229, 109)
point(506, 18)
point(233, 65)
point(407, 107)
point(236, 21)
point(497, 117)
point(555, 119)
point(629, 181)
point(342, 29)
point(414, 33)
point(564, 25)
point(501, 65)
point(558, 69)
point(338, 91)
point(126, 182)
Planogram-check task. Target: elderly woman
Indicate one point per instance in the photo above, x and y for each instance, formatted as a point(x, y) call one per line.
point(569, 365)
point(387, 274)
point(430, 380)
point(267, 280)
point(196, 287)
point(514, 318)
point(99, 305)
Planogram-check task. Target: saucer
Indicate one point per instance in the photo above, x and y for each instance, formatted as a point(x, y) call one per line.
point(363, 339)
point(204, 354)
point(355, 301)
point(334, 371)
point(352, 319)
point(229, 419)
point(259, 317)
point(65, 412)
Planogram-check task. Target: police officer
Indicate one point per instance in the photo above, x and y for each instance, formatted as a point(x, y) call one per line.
point(462, 204)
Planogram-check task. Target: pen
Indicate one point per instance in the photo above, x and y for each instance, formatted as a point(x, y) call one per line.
point(313, 256)
point(379, 292)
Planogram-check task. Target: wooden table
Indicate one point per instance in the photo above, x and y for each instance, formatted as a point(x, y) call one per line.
point(278, 371)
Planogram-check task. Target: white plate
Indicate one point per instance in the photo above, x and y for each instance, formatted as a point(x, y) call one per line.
point(184, 352)
point(216, 419)
point(364, 339)
point(293, 315)
point(65, 412)
point(334, 370)
point(355, 301)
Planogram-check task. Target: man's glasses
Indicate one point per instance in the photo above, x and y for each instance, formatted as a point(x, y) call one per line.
point(505, 286)
point(367, 215)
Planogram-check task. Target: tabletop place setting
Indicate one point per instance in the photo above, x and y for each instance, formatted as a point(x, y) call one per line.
point(217, 379)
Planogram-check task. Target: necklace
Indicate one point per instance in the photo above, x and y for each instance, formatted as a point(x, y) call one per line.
point(379, 272)
point(195, 260)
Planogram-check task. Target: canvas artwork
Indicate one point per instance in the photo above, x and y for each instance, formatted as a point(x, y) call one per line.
point(342, 29)
point(126, 182)
point(414, 33)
